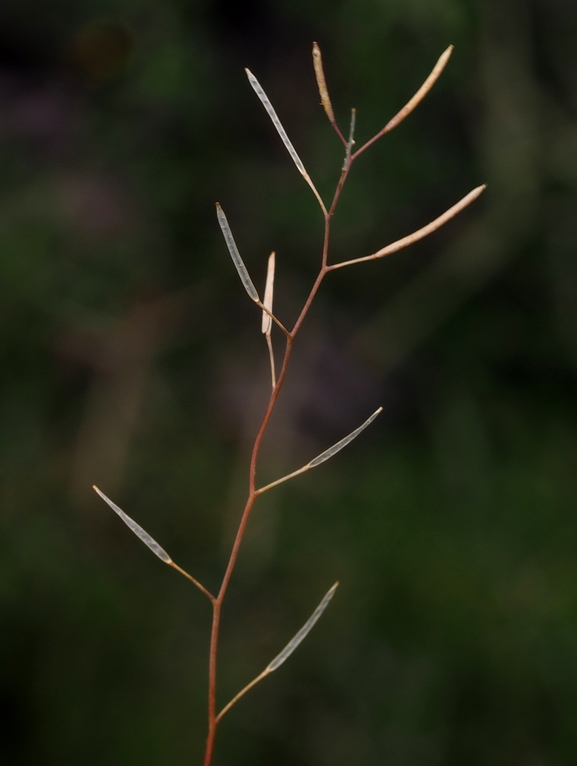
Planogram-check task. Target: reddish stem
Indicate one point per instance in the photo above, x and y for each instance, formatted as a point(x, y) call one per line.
point(217, 602)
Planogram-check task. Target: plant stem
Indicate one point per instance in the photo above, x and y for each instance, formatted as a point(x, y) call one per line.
point(213, 718)
point(217, 603)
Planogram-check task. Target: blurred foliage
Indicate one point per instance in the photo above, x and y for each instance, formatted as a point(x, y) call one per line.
point(130, 357)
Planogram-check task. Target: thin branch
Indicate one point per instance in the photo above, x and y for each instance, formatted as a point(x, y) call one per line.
point(271, 359)
point(257, 87)
point(351, 142)
point(413, 102)
point(326, 455)
point(151, 543)
point(419, 234)
point(286, 652)
point(277, 321)
point(282, 480)
point(193, 580)
point(241, 693)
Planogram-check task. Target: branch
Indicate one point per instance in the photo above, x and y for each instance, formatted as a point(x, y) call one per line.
point(351, 142)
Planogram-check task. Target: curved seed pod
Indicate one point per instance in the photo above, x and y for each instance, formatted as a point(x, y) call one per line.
point(351, 141)
point(413, 102)
point(322, 84)
point(422, 92)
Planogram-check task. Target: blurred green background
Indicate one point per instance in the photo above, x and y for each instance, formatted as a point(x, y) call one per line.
point(131, 358)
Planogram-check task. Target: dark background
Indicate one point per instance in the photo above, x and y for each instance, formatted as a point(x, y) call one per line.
point(130, 357)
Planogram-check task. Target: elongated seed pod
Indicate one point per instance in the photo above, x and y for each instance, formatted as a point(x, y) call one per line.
point(149, 541)
point(302, 633)
point(235, 255)
point(327, 454)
